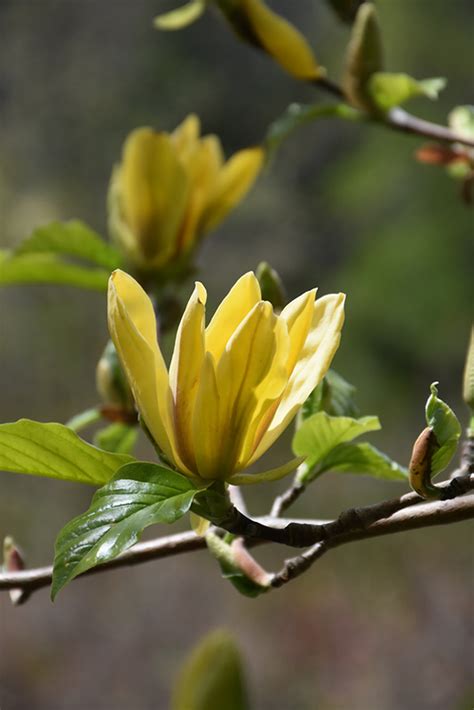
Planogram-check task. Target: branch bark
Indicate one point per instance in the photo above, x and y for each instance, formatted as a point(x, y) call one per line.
point(400, 514)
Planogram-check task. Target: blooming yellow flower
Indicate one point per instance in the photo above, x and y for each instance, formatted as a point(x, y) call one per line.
point(172, 188)
point(233, 387)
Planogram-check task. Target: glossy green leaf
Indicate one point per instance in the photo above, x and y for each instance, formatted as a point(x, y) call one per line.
point(389, 90)
point(212, 677)
point(181, 17)
point(54, 451)
point(73, 238)
point(362, 458)
point(321, 433)
point(117, 437)
point(364, 57)
point(141, 494)
point(49, 269)
point(297, 115)
point(447, 430)
point(334, 395)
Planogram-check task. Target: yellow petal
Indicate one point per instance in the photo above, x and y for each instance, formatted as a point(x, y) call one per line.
point(236, 305)
point(185, 369)
point(208, 424)
point(251, 375)
point(298, 316)
point(202, 169)
point(313, 362)
point(235, 179)
point(186, 135)
point(132, 327)
point(154, 192)
point(282, 40)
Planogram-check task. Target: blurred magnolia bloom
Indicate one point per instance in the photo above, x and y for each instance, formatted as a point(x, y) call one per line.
point(170, 189)
point(256, 24)
point(232, 387)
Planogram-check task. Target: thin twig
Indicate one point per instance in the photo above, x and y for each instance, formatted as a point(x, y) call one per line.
point(424, 515)
point(400, 120)
point(405, 513)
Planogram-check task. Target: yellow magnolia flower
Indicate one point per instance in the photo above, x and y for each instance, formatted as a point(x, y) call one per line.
point(172, 188)
point(233, 387)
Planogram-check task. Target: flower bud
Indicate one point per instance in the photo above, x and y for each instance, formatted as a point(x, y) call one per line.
point(172, 188)
point(271, 286)
point(111, 383)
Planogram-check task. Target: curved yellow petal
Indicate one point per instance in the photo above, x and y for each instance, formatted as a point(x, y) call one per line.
point(251, 375)
point(298, 315)
point(313, 362)
point(233, 182)
point(186, 135)
point(207, 423)
point(282, 40)
point(185, 369)
point(154, 192)
point(240, 300)
point(132, 327)
point(273, 474)
point(203, 169)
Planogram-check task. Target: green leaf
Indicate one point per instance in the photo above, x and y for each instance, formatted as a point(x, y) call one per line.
point(333, 395)
point(49, 269)
point(141, 494)
point(447, 430)
point(297, 115)
point(389, 90)
point(181, 17)
point(321, 433)
point(54, 451)
point(461, 120)
point(212, 677)
point(363, 459)
point(364, 57)
point(71, 238)
point(117, 437)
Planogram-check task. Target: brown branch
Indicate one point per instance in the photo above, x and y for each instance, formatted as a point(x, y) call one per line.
point(405, 513)
point(423, 515)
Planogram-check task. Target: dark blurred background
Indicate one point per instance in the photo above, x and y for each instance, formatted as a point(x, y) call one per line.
point(380, 625)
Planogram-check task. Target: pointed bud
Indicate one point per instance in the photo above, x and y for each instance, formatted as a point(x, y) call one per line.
point(13, 561)
point(111, 383)
point(271, 285)
point(363, 58)
point(468, 384)
point(420, 464)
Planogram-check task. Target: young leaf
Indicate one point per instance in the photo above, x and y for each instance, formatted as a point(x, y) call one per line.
point(212, 677)
point(181, 17)
point(141, 494)
point(117, 437)
point(461, 120)
point(447, 430)
point(54, 451)
point(49, 269)
point(250, 585)
point(321, 433)
point(364, 57)
point(72, 238)
point(334, 395)
point(389, 90)
point(297, 115)
point(362, 459)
